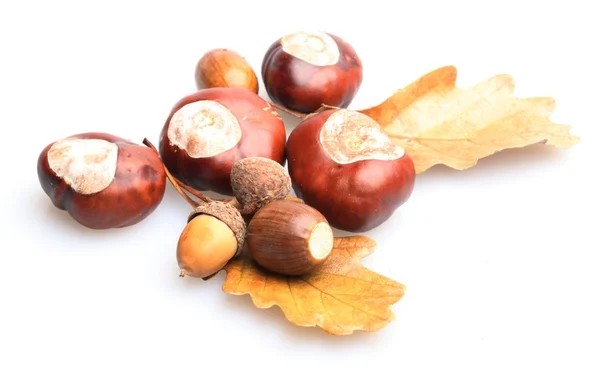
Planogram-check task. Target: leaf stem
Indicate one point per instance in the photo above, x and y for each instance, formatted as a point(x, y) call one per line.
point(191, 190)
point(325, 107)
point(289, 111)
point(303, 116)
point(171, 178)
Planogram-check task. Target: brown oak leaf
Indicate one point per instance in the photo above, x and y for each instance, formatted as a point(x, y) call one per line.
point(439, 123)
point(341, 296)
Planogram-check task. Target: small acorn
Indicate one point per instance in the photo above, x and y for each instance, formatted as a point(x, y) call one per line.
point(213, 235)
point(225, 68)
point(256, 181)
point(289, 237)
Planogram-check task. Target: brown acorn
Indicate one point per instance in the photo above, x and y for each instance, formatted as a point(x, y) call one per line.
point(213, 235)
point(289, 237)
point(225, 68)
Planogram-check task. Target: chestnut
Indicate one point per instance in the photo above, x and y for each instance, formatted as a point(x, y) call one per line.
point(208, 131)
point(103, 181)
point(304, 70)
point(225, 68)
point(289, 237)
point(342, 163)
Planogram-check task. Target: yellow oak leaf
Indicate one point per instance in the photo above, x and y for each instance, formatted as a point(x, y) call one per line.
point(439, 123)
point(341, 296)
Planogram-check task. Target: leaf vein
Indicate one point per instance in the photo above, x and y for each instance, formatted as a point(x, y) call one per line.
point(241, 276)
point(351, 278)
point(344, 302)
point(328, 313)
point(294, 297)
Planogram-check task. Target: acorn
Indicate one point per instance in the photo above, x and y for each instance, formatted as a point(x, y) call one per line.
point(214, 234)
point(257, 181)
point(223, 67)
point(289, 238)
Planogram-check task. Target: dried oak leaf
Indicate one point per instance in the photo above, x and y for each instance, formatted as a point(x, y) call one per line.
point(341, 296)
point(439, 123)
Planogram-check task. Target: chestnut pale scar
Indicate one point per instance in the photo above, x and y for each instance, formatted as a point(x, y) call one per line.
point(88, 166)
point(316, 48)
point(204, 128)
point(348, 136)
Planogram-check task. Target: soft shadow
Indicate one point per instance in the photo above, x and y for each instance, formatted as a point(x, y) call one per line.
point(185, 284)
point(395, 220)
point(505, 161)
point(290, 122)
point(341, 233)
point(56, 219)
point(297, 334)
point(60, 219)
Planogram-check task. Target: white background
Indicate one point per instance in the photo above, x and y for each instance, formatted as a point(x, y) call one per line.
point(500, 261)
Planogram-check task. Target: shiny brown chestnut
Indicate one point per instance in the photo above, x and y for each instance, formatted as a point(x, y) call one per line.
point(101, 180)
point(289, 237)
point(208, 131)
point(342, 163)
point(302, 71)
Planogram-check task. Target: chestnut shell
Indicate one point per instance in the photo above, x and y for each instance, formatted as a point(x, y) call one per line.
point(304, 87)
point(136, 191)
point(263, 135)
point(353, 197)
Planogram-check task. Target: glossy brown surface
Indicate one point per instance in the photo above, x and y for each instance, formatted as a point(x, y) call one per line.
point(303, 87)
point(278, 234)
point(263, 135)
point(136, 191)
point(353, 197)
point(225, 68)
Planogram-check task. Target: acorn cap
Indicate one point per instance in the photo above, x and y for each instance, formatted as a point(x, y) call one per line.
point(227, 214)
point(256, 181)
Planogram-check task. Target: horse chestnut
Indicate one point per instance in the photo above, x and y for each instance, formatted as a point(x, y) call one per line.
point(302, 71)
point(101, 180)
point(208, 131)
point(342, 163)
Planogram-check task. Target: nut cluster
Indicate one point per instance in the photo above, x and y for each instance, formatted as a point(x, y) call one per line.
point(227, 139)
point(283, 236)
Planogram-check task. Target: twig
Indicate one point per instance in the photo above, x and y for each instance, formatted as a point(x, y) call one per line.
point(172, 179)
point(325, 107)
point(288, 111)
point(193, 191)
point(304, 116)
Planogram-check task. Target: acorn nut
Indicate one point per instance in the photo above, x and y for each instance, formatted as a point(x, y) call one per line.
point(256, 181)
point(213, 235)
point(223, 67)
point(289, 237)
